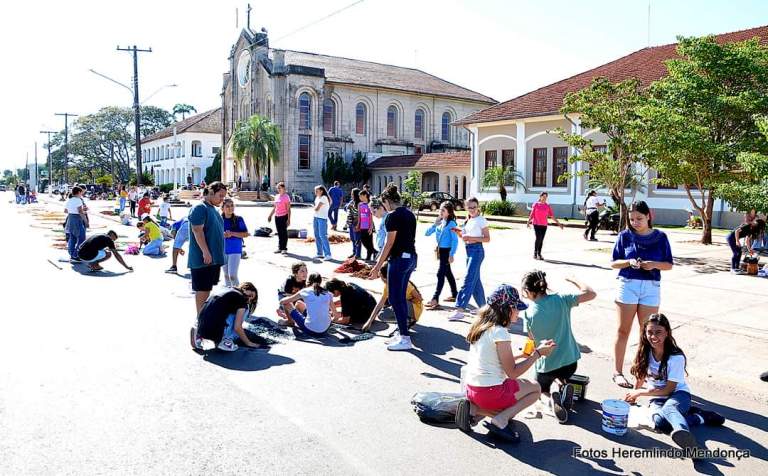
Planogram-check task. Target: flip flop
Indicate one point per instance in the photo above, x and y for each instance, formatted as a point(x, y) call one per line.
point(617, 379)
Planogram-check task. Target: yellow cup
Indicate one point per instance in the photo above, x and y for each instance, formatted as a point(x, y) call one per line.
point(529, 347)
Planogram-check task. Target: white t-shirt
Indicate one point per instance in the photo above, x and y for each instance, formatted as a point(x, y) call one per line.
point(593, 202)
point(484, 367)
point(323, 211)
point(165, 208)
point(474, 227)
point(132, 196)
point(73, 204)
point(675, 373)
point(318, 310)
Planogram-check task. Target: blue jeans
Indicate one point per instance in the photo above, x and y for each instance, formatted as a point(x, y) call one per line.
point(122, 204)
point(399, 273)
point(73, 240)
point(670, 414)
point(354, 237)
point(736, 249)
point(320, 226)
point(154, 247)
point(472, 286)
point(333, 215)
point(164, 222)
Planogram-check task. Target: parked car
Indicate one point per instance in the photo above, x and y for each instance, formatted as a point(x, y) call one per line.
point(432, 201)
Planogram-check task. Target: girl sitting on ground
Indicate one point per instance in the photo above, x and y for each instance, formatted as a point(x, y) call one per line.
point(354, 305)
point(659, 370)
point(318, 303)
point(491, 374)
point(293, 284)
point(387, 314)
point(549, 317)
point(221, 318)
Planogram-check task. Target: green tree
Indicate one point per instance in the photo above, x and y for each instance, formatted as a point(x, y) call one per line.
point(213, 173)
point(153, 119)
point(614, 109)
point(750, 191)
point(104, 180)
point(335, 168)
point(255, 142)
point(359, 171)
point(183, 110)
point(146, 178)
point(702, 116)
point(412, 189)
point(502, 177)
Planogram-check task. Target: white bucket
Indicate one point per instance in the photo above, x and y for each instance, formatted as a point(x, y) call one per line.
point(615, 416)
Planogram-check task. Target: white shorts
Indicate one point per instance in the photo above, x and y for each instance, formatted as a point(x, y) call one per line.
point(646, 292)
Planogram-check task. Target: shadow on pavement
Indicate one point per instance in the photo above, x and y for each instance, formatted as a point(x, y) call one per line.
point(434, 341)
point(729, 436)
point(573, 263)
point(86, 271)
point(244, 359)
point(704, 265)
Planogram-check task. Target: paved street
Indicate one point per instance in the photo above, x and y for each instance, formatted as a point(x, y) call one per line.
point(97, 376)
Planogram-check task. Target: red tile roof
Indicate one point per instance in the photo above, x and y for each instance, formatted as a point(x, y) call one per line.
point(206, 122)
point(647, 65)
point(424, 161)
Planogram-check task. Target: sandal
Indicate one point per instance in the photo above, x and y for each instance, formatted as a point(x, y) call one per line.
point(621, 381)
point(433, 304)
point(450, 299)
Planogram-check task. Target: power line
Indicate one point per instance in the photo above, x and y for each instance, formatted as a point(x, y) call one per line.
point(136, 105)
point(319, 20)
point(66, 115)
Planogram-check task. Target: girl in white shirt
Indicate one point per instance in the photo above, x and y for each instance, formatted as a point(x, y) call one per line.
point(491, 374)
point(319, 306)
point(474, 233)
point(74, 225)
point(320, 223)
point(659, 369)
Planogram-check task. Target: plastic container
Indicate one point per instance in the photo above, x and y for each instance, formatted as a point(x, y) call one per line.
point(303, 233)
point(579, 383)
point(615, 417)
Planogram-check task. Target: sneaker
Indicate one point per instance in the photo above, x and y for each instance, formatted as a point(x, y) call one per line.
point(277, 252)
point(284, 252)
point(457, 315)
point(507, 434)
point(283, 323)
point(318, 257)
point(566, 396)
point(708, 418)
point(328, 258)
point(463, 419)
point(194, 340)
point(593, 239)
point(557, 408)
point(395, 338)
point(227, 345)
point(403, 344)
point(685, 440)
point(737, 271)
point(172, 269)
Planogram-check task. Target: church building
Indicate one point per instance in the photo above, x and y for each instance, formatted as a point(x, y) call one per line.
point(332, 105)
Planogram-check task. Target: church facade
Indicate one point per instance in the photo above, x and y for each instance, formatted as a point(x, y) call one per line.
point(331, 105)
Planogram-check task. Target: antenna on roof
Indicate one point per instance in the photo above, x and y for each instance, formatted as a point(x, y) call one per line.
point(237, 19)
point(648, 29)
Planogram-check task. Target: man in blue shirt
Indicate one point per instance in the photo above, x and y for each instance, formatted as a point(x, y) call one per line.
point(206, 248)
point(337, 195)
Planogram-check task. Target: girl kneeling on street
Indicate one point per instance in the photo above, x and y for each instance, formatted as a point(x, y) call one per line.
point(221, 318)
point(492, 374)
point(549, 317)
point(319, 305)
point(659, 370)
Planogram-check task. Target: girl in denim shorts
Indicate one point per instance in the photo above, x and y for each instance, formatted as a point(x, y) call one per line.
point(640, 254)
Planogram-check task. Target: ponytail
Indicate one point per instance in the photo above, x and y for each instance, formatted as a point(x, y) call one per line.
point(316, 281)
point(535, 283)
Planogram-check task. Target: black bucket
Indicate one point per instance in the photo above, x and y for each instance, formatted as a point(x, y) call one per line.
point(579, 383)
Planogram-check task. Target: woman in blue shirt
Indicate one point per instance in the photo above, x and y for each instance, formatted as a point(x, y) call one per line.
point(447, 242)
point(640, 254)
point(234, 232)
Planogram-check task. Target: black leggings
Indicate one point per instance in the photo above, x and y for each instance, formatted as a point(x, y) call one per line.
point(281, 223)
point(366, 239)
point(736, 249)
point(444, 272)
point(133, 207)
point(540, 231)
point(594, 220)
point(545, 379)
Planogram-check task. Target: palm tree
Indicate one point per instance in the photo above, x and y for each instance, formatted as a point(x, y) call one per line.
point(502, 177)
point(183, 109)
point(257, 142)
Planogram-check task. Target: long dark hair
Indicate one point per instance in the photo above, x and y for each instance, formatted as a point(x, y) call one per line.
point(335, 285)
point(233, 218)
point(487, 317)
point(356, 196)
point(316, 281)
point(640, 207)
point(248, 286)
point(640, 365)
point(449, 208)
point(591, 193)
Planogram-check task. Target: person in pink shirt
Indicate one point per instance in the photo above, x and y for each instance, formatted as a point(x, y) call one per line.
point(541, 212)
point(282, 214)
point(365, 226)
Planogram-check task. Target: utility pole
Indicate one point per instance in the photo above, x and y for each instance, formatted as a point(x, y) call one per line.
point(66, 115)
point(50, 163)
point(37, 175)
point(136, 104)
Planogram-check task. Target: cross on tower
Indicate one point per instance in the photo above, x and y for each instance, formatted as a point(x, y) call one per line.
point(248, 16)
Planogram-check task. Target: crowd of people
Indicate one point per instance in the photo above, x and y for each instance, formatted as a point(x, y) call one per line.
point(492, 376)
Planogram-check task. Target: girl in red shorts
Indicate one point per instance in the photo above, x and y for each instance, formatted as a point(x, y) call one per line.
point(491, 372)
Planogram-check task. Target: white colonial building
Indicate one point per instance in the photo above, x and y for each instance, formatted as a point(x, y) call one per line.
point(522, 133)
point(327, 104)
point(183, 160)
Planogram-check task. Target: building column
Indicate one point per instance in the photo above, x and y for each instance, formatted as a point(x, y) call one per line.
point(575, 180)
point(521, 159)
point(474, 159)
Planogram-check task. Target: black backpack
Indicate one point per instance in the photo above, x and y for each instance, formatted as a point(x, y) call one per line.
point(437, 409)
point(263, 232)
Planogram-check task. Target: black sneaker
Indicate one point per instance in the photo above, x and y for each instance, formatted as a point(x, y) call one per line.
point(462, 416)
point(566, 395)
point(685, 440)
point(507, 433)
point(555, 404)
point(709, 418)
point(172, 269)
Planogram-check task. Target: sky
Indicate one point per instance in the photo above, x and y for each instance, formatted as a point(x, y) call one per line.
point(499, 48)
